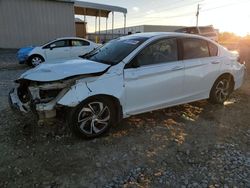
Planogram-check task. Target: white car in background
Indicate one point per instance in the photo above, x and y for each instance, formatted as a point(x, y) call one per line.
point(61, 48)
point(128, 76)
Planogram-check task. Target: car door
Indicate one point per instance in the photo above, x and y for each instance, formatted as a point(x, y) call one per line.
point(80, 47)
point(154, 78)
point(59, 49)
point(202, 67)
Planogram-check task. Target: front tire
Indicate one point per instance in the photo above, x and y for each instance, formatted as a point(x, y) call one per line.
point(35, 60)
point(92, 118)
point(221, 90)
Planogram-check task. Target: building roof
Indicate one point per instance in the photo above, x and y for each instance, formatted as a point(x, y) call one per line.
point(98, 6)
point(96, 9)
point(79, 20)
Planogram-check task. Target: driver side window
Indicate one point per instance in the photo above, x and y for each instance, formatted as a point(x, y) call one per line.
point(61, 43)
point(161, 51)
point(58, 44)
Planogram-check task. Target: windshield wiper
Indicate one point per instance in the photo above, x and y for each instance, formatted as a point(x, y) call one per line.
point(94, 58)
point(91, 53)
point(87, 55)
point(106, 62)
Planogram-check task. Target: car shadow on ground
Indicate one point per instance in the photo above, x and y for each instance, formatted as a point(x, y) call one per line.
point(168, 118)
point(173, 120)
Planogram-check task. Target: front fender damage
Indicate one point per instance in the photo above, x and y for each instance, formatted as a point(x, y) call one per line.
point(48, 99)
point(75, 94)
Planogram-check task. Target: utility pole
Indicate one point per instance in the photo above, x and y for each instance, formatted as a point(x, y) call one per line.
point(197, 15)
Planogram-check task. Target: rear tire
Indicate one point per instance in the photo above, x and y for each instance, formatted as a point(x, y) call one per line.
point(221, 90)
point(92, 117)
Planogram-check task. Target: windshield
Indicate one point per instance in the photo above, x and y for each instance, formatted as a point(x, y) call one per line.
point(116, 50)
point(48, 42)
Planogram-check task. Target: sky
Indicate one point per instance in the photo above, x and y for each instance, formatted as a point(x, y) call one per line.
point(225, 15)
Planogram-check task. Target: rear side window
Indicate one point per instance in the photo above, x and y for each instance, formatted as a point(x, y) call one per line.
point(80, 43)
point(195, 48)
point(213, 49)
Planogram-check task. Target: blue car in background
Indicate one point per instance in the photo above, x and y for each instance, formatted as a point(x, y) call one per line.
point(23, 54)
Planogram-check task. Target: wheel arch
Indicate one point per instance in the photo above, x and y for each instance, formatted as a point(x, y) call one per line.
point(33, 55)
point(114, 100)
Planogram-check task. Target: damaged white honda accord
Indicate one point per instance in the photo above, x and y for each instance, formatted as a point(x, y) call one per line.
point(127, 76)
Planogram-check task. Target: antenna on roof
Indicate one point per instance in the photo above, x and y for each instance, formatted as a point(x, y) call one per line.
point(197, 15)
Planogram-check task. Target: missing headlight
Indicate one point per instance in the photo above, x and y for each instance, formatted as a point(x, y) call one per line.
point(48, 95)
point(23, 93)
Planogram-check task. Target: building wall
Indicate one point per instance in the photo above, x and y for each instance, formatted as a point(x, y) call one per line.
point(160, 28)
point(133, 29)
point(120, 31)
point(144, 28)
point(34, 22)
point(81, 29)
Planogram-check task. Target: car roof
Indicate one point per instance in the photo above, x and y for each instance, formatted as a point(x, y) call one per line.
point(163, 34)
point(64, 38)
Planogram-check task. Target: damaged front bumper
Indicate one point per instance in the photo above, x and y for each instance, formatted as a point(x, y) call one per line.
point(42, 98)
point(24, 108)
point(44, 109)
point(15, 103)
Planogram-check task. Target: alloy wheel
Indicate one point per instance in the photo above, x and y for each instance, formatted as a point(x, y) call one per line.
point(222, 90)
point(94, 118)
point(36, 61)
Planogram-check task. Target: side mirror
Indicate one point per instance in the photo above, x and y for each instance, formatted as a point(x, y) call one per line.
point(135, 64)
point(52, 46)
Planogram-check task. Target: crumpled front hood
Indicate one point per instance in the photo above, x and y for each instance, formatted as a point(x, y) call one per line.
point(53, 72)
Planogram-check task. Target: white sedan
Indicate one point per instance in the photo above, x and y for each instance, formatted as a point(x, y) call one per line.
point(61, 48)
point(127, 76)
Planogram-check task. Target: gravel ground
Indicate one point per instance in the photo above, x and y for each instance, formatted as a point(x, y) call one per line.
point(191, 145)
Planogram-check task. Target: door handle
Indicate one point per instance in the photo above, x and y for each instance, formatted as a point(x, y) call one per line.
point(177, 68)
point(215, 62)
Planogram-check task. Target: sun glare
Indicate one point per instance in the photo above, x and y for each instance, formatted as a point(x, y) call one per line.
point(232, 16)
point(237, 24)
point(239, 28)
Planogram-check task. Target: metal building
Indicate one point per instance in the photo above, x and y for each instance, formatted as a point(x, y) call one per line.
point(145, 28)
point(107, 35)
point(33, 22)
